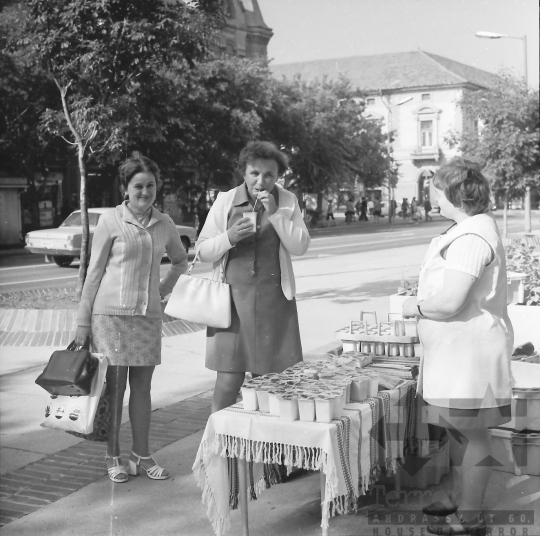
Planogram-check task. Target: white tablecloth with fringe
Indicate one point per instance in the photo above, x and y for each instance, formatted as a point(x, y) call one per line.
point(349, 450)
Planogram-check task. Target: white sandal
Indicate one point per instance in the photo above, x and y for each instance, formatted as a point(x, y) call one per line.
point(117, 473)
point(155, 472)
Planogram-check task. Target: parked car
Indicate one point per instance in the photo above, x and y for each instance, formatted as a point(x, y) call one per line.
point(63, 244)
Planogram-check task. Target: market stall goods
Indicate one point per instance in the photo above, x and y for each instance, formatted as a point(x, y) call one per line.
point(327, 383)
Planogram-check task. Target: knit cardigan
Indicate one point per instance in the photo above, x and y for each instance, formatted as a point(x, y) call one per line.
point(124, 271)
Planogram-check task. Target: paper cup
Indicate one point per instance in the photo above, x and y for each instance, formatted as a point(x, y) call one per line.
point(249, 397)
point(253, 217)
point(288, 408)
point(350, 346)
point(263, 400)
point(324, 409)
point(360, 388)
point(273, 403)
point(337, 406)
point(306, 409)
point(373, 384)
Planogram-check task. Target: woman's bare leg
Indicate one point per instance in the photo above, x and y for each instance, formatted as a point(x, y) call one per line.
point(226, 389)
point(116, 385)
point(475, 469)
point(140, 407)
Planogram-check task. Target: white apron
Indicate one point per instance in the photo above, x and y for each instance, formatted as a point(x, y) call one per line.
point(466, 361)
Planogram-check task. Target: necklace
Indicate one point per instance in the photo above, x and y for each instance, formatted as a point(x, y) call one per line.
point(143, 218)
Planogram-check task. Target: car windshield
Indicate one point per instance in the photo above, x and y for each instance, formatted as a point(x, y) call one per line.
point(74, 219)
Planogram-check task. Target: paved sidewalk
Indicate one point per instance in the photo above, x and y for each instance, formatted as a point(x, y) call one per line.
point(58, 475)
point(56, 327)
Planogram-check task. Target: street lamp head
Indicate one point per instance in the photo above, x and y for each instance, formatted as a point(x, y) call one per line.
point(489, 35)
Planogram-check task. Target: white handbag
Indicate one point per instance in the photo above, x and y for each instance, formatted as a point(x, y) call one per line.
point(200, 300)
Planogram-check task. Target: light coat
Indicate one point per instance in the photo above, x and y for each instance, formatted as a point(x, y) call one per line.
point(213, 244)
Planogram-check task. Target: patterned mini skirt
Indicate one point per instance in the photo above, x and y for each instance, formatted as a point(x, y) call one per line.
point(127, 341)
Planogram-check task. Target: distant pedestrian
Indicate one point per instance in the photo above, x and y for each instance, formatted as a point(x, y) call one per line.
point(414, 210)
point(405, 208)
point(349, 211)
point(427, 209)
point(370, 207)
point(392, 208)
point(376, 210)
point(363, 210)
point(330, 210)
point(358, 208)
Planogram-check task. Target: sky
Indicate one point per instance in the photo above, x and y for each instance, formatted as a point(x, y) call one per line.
point(320, 29)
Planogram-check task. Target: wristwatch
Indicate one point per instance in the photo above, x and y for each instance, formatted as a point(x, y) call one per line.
point(420, 310)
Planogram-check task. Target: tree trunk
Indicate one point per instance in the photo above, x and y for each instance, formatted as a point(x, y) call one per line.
point(527, 207)
point(83, 265)
point(505, 215)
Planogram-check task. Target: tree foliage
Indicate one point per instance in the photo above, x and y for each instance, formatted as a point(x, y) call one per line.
point(101, 55)
point(507, 140)
point(320, 125)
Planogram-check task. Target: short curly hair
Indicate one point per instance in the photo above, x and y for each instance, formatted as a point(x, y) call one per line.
point(134, 165)
point(464, 186)
point(262, 150)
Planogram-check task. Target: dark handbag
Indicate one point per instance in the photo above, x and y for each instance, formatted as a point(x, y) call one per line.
point(69, 372)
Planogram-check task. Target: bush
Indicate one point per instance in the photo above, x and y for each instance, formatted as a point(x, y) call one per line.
point(525, 259)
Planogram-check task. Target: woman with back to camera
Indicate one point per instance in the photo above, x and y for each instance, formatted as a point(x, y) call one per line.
point(467, 340)
point(264, 334)
point(120, 306)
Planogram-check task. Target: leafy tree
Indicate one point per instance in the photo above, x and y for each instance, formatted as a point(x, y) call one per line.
point(507, 140)
point(331, 144)
point(25, 93)
point(102, 55)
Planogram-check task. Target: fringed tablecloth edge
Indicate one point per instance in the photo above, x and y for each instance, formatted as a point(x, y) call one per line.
point(219, 525)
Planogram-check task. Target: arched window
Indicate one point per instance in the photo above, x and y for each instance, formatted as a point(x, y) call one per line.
point(427, 128)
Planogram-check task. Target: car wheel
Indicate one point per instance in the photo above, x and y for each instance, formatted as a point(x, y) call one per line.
point(186, 243)
point(63, 261)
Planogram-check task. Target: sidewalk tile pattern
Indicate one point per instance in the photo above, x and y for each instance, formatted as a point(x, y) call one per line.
point(56, 327)
point(57, 475)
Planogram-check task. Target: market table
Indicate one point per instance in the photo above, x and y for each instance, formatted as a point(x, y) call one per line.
point(348, 451)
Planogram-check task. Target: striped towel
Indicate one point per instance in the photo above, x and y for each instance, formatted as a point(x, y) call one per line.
point(394, 409)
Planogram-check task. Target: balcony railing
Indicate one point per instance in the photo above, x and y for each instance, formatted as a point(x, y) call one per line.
point(425, 153)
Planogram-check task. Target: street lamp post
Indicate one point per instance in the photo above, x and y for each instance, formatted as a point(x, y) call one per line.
point(390, 107)
point(491, 35)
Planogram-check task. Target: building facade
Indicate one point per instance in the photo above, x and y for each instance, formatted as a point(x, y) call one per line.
point(414, 94)
point(245, 33)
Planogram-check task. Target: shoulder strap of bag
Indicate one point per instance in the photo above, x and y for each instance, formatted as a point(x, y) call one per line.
point(223, 261)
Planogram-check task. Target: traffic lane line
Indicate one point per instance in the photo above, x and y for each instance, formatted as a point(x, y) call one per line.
point(362, 244)
point(351, 238)
point(74, 277)
point(30, 266)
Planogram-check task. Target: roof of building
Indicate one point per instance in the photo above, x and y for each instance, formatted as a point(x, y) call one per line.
point(401, 70)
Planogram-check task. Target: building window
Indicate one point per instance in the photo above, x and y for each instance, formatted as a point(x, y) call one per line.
point(370, 102)
point(426, 133)
point(426, 96)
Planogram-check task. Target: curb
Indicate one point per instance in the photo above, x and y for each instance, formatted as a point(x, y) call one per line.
point(58, 475)
point(56, 327)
